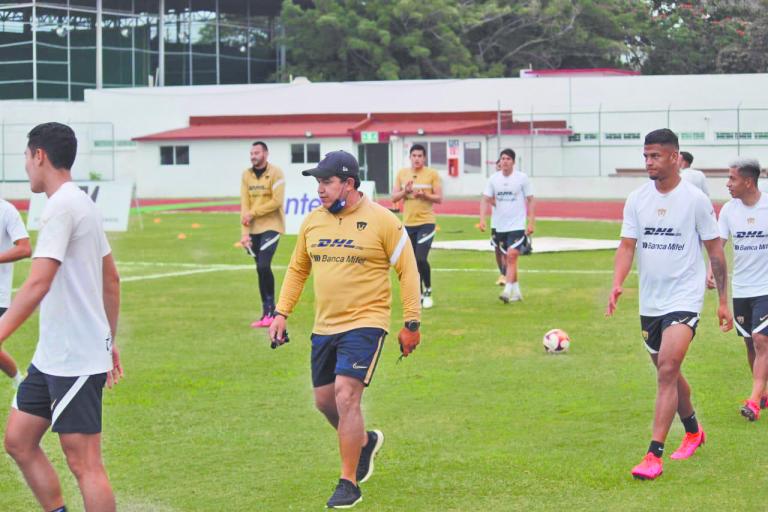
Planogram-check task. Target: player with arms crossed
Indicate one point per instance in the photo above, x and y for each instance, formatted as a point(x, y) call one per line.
point(74, 280)
point(745, 220)
point(350, 244)
point(665, 222)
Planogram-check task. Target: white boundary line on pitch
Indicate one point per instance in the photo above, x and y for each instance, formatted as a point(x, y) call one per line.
point(201, 268)
point(196, 268)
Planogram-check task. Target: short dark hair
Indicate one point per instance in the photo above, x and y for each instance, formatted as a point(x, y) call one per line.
point(418, 147)
point(508, 152)
point(687, 157)
point(262, 144)
point(664, 136)
point(748, 168)
point(57, 140)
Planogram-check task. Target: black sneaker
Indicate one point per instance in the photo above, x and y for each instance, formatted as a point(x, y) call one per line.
point(346, 495)
point(365, 464)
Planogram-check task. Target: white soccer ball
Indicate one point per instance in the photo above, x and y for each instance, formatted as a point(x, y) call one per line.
point(556, 341)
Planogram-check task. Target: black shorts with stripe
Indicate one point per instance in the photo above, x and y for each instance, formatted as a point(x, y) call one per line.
point(71, 404)
point(750, 315)
point(352, 353)
point(506, 240)
point(654, 326)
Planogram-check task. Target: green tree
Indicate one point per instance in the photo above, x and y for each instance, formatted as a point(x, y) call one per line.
point(353, 40)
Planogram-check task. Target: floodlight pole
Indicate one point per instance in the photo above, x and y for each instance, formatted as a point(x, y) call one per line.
point(33, 28)
point(99, 46)
point(161, 43)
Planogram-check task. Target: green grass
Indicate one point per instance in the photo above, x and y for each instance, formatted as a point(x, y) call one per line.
point(208, 418)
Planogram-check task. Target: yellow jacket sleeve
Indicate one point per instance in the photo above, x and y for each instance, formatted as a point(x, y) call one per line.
point(297, 273)
point(276, 201)
point(402, 258)
point(245, 202)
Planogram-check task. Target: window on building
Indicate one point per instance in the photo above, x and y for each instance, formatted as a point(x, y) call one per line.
point(576, 137)
point(305, 153)
point(724, 135)
point(313, 153)
point(631, 136)
point(473, 158)
point(590, 136)
point(297, 153)
point(182, 155)
point(744, 135)
point(761, 135)
point(438, 155)
point(174, 155)
point(612, 136)
point(166, 155)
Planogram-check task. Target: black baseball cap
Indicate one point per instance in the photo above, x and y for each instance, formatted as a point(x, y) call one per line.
point(336, 163)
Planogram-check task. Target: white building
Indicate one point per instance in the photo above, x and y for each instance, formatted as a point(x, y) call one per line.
point(594, 152)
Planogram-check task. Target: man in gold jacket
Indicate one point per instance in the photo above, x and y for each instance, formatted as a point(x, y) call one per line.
point(350, 243)
point(262, 215)
point(420, 189)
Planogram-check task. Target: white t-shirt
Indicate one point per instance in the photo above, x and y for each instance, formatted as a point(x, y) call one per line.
point(695, 177)
point(510, 193)
point(669, 229)
point(11, 230)
point(75, 337)
point(748, 226)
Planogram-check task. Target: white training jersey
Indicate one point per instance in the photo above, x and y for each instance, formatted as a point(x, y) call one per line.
point(695, 177)
point(510, 192)
point(75, 337)
point(748, 227)
point(669, 229)
point(11, 230)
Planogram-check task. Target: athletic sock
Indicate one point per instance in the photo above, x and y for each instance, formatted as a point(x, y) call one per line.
point(60, 509)
point(691, 424)
point(515, 287)
point(656, 448)
point(508, 289)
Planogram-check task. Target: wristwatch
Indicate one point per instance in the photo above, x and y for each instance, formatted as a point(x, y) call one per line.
point(412, 325)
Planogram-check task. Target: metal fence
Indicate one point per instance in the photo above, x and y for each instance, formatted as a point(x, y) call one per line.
point(604, 141)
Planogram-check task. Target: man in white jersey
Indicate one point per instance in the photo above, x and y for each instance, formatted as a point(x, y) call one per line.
point(745, 219)
point(74, 280)
point(665, 222)
point(511, 195)
point(14, 245)
point(692, 176)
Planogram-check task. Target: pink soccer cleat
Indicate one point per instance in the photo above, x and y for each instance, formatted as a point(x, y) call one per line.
point(650, 468)
point(690, 444)
point(751, 410)
point(265, 321)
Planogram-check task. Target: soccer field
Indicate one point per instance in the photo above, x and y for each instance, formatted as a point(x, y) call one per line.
point(479, 418)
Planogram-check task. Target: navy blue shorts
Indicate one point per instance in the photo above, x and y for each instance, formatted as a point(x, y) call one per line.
point(654, 326)
point(71, 404)
point(353, 353)
point(750, 315)
point(506, 240)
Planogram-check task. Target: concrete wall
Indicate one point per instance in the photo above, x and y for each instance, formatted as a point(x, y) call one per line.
point(215, 167)
point(705, 104)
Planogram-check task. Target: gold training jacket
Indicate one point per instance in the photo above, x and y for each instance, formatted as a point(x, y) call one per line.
point(351, 253)
point(263, 198)
point(418, 211)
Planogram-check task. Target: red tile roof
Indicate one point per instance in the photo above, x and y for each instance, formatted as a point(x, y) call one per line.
point(352, 125)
